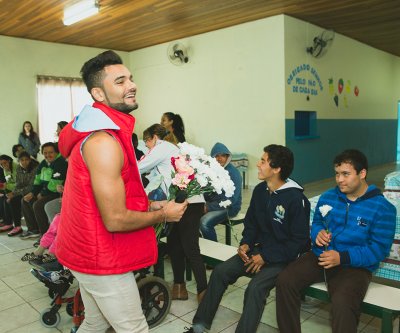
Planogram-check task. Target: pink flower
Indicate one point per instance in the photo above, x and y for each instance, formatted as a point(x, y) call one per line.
point(181, 165)
point(181, 180)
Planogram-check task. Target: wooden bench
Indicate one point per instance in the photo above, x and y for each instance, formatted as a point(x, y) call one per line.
point(380, 301)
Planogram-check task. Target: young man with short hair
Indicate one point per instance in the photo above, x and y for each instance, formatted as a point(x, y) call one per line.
point(276, 231)
point(354, 235)
point(106, 231)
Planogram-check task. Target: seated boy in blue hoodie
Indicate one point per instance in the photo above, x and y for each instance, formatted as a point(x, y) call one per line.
point(214, 212)
point(352, 231)
point(276, 232)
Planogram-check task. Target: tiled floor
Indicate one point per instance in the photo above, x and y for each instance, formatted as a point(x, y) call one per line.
point(23, 297)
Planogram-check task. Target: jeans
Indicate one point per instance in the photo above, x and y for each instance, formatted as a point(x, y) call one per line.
point(35, 216)
point(52, 208)
point(208, 222)
point(12, 211)
point(111, 300)
point(255, 295)
point(346, 285)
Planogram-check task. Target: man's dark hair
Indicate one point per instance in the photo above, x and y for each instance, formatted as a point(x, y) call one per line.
point(92, 71)
point(15, 148)
point(62, 124)
point(50, 144)
point(32, 163)
point(8, 159)
point(280, 157)
point(354, 157)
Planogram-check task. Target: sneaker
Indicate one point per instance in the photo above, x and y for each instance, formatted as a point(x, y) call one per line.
point(30, 234)
point(6, 227)
point(48, 258)
point(15, 231)
point(30, 256)
point(51, 276)
point(188, 330)
point(46, 266)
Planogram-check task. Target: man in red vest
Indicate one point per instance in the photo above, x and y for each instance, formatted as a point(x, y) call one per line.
point(106, 231)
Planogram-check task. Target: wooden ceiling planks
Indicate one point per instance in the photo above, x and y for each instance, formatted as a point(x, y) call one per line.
point(129, 25)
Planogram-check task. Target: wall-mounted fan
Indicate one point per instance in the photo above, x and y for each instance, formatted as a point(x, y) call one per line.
point(177, 53)
point(321, 43)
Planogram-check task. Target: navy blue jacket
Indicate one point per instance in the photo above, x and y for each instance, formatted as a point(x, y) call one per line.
point(278, 222)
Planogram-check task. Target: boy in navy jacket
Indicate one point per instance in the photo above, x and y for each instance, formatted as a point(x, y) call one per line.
point(352, 231)
point(276, 231)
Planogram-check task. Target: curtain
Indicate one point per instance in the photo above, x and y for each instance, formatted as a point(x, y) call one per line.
point(58, 99)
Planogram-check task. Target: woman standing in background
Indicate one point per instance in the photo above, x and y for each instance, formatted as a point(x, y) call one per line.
point(29, 139)
point(175, 127)
point(183, 239)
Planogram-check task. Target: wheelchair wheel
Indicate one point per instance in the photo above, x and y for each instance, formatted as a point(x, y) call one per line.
point(51, 293)
point(155, 296)
point(49, 318)
point(70, 308)
point(74, 329)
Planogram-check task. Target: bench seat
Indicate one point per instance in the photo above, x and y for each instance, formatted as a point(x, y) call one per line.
point(380, 301)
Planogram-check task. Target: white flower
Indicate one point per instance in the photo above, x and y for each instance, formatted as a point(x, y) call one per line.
point(225, 203)
point(8, 177)
point(324, 210)
point(208, 173)
point(56, 175)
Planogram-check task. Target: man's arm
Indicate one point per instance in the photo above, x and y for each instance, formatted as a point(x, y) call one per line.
point(104, 159)
point(250, 228)
point(377, 247)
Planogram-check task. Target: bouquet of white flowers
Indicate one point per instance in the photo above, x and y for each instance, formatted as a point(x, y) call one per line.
point(196, 173)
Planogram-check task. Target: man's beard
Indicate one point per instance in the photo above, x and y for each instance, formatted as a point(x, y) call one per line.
point(124, 108)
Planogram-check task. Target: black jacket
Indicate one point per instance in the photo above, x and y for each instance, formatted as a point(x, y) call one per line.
point(278, 222)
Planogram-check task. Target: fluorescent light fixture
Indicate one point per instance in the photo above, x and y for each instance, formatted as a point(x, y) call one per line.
point(80, 11)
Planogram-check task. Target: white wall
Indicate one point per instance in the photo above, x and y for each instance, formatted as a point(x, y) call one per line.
point(372, 70)
point(21, 60)
point(232, 89)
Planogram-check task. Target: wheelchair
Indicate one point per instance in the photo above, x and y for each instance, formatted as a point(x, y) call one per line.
point(154, 293)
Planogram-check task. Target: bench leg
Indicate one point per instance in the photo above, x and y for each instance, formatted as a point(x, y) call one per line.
point(228, 236)
point(387, 321)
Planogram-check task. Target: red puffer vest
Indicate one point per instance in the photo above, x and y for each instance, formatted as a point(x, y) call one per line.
point(83, 242)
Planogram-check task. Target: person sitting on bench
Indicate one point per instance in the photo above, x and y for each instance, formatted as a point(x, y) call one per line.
point(352, 231)
point(213, 212)
point(276, 231)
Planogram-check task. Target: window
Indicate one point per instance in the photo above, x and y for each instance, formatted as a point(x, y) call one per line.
point(305, 125)
point(58, 99)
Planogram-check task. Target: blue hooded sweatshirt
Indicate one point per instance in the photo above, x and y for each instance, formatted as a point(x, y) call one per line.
point(213, 199)
point(362, 230)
